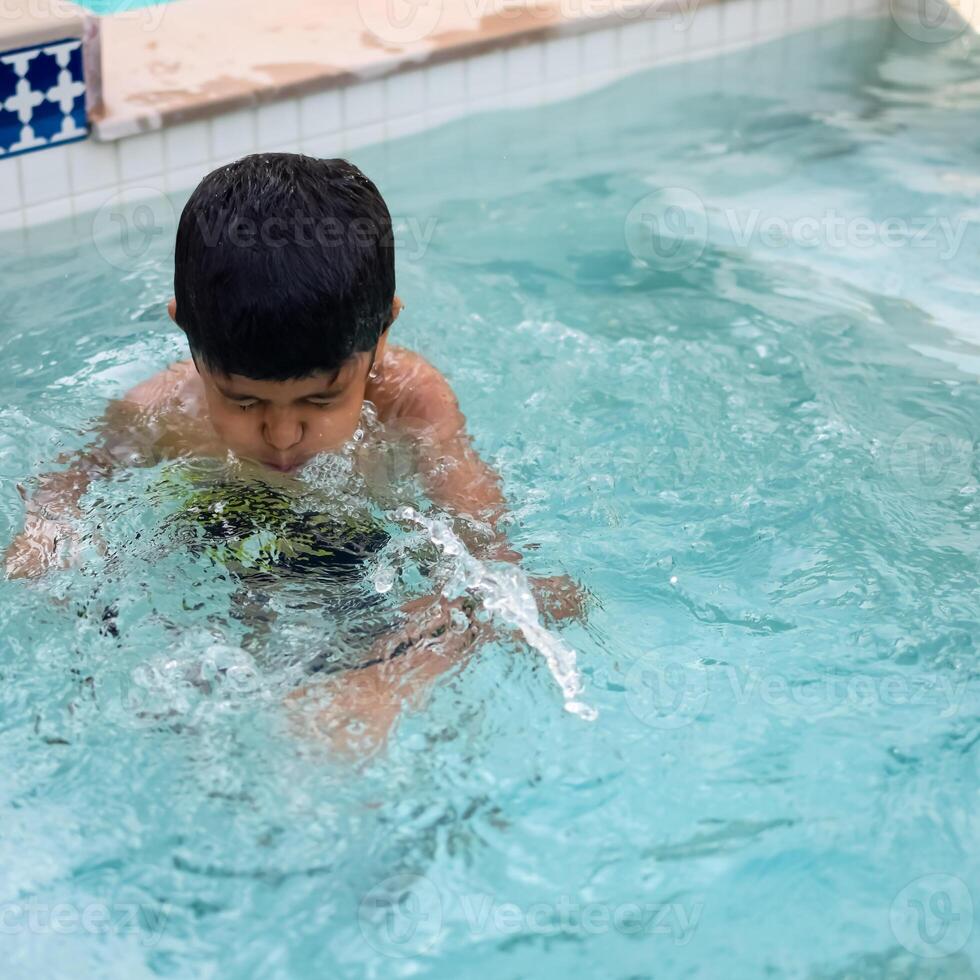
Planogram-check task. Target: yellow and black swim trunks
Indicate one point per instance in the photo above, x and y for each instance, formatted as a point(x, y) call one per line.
point(253, 529)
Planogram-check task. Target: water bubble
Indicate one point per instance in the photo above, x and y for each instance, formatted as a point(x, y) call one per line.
point(384, 578)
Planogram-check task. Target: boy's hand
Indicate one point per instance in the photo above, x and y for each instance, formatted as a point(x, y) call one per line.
point(560, 597)
point(355, 711)
point(446, 625)
point(43, 544)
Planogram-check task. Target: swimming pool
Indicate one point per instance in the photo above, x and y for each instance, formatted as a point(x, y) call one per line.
point(715, 326)
point(109, 7)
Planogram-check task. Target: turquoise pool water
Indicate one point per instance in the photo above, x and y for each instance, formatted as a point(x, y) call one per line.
point(746, 422)
point(121, 6)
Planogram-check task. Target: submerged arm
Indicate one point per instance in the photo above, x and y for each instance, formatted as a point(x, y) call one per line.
point(458, 480)
point(356, 710)
point(50, 509)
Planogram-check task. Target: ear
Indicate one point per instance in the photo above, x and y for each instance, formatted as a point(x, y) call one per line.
point(379, 352)
point(172, 310)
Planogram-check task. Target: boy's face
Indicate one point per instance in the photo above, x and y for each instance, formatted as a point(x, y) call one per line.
point(282, 424)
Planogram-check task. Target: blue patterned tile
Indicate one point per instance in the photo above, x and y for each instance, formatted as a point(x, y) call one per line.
point(42, 97)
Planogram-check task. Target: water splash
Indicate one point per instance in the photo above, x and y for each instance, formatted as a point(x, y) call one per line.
point(506, 592)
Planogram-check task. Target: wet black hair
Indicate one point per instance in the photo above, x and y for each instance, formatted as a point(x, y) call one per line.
point(284, 266)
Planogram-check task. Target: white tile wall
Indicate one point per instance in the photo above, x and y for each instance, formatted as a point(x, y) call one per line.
point(561, 58)
point(187, 144)
point(600, 52)
point(320, 113)
point(233, 134)
point(364, 103)
point(770, 18)
point(93, 166)
point(45, 178)
point(79, 178)
point(183, 178)
point(141, 157)
point(277, 124)
point(405, 94)
point(637, 42)
point(704, 30)
point(404, 125)
point(328, 146)
point(444, 84)
point(363, 136)
point(524, 66)
point(11, 196)
point(738, 19)
point(485, 74)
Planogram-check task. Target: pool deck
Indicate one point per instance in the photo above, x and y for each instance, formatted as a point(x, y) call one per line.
point(195, 58)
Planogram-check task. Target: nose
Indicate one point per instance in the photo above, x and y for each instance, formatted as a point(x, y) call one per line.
point(282, 429)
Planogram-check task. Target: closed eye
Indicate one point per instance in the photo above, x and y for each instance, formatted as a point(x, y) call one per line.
point(250, 403)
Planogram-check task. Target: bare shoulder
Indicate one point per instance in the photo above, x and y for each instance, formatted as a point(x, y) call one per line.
point(412, 389)
point(167, 389)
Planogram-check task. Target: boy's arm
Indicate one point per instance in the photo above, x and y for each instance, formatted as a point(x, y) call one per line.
point(455, 477)
point(355, 711)
point(49, 510)
point(460, 481)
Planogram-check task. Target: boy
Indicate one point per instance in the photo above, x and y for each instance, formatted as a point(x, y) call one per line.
point(285, 288)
